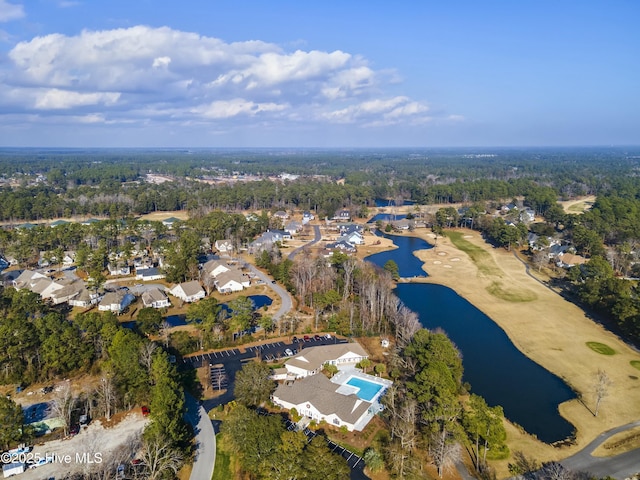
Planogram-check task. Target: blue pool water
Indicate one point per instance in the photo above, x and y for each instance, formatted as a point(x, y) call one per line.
point(367, 391)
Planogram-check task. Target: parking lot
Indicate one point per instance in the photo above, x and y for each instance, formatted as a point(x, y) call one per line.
point(268, 352)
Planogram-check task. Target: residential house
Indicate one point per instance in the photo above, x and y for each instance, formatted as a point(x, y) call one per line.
point(527, 215)
point(149, 274)
point(69, 258)
point(45, 287)
point(188, 291)
point(224, 247)
point(282, 215)
point(402, 224)
point(309, 361)
point(155, 298)
point(556, 251)
point(67, 293)
point(342, 216)
point(307, 217)
point(354, 238)
point(115, 301)
point(85, 299)
point(3, 264)
point(265, 241)
point(26, 279)
point(569, 260)
point(232, 281)
point(116, 269)
point(142, 263)
point(293, 227)
point(342, 245)
point(215, 267)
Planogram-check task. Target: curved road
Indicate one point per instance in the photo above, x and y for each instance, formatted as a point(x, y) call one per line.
point(316, 239)
point(205, 457)
point(619, 466)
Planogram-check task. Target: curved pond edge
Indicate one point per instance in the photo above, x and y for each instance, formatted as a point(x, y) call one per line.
point(500, 342)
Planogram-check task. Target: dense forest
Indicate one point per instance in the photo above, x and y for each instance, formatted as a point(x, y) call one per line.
point(53, 184)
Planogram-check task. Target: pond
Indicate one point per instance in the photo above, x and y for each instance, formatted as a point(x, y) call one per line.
point(386, 217)
point(408, 264)
point(493, 366)
point(389, 202)
point(258, 301)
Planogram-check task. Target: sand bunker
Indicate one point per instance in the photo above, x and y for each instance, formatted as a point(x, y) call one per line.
point(447, 266)
point(437, 262)
point(455, 259)
point(467, 236)
point(442, 254)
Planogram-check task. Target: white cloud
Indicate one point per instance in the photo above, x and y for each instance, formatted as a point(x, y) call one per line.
point(55, 99)
point(143, 74)
point(379, 112)
point(10, 11)
point(237, 106)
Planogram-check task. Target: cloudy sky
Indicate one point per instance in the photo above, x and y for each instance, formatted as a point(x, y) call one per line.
point(209, 73)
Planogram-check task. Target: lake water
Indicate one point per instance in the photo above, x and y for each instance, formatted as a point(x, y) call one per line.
point(494, 368)
point(386, 217)
point(386, 202)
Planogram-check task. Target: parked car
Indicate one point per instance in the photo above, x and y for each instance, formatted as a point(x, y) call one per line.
point(145, 410)
point(75, 429)
point(307, 338)
point(316, 337)
point(328, 336)
point(288, 352)
point(294, 339)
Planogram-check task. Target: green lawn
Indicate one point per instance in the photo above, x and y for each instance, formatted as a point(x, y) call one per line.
point(487, 266)
point(601, 348)
point(222, 469)
point(478, 255)
point(635, 364)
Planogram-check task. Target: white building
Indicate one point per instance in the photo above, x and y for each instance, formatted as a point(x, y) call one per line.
point(115, 301)
point(188, 291)
point(155, 298)
point(232, 281)
point(310, 360)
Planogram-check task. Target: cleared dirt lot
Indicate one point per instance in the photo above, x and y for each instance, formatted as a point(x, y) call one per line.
point(89, 449)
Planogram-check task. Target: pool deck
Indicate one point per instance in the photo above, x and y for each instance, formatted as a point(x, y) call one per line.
point(347, 372)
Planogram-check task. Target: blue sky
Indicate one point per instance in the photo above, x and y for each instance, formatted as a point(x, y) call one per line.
point(207, 73)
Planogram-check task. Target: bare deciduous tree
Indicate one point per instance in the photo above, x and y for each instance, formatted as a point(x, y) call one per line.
point(106, 391)
point(601, 389)
point(63, 404)
point(160, 458)
point(146, 354)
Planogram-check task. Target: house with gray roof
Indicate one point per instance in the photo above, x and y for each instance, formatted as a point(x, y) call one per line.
point(115, 301)
point(232, 281)
point(155, 298)
point(85, 299)
point(188, 291)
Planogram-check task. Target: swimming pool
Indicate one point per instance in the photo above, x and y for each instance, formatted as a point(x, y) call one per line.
point(367, 390)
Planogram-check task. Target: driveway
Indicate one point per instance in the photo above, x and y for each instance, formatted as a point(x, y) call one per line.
point(286, 303)
point(205, 456)
point(316, 239)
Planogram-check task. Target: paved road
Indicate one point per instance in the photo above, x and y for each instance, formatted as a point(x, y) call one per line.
point(620, 466)
point(205, 457)
point(286, 303)
point(316, 239)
